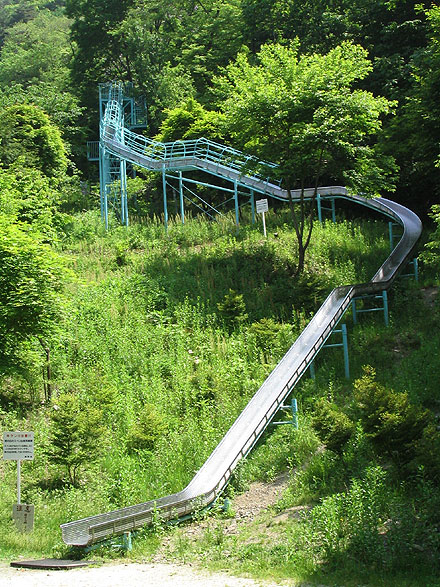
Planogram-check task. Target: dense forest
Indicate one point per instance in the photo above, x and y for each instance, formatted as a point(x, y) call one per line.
point(131, 351)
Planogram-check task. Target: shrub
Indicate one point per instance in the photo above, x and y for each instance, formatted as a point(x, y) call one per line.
point(431, 255)
point(146, 431)
point(76, 435)
point(347, 524)
point(334, 427)
point(388, 418)
point(233, 309)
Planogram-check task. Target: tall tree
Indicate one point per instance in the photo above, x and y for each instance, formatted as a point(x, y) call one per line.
point(35, 69)
point(31, 278)
point(27, 134)
point(414, 136)
point(303, 113)
point(100, 54)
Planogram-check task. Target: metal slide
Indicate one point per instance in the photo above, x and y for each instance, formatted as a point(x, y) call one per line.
point(214, 475)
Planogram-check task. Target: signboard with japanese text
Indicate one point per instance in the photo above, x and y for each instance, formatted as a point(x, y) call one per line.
point(18, 446)
point(262, 206)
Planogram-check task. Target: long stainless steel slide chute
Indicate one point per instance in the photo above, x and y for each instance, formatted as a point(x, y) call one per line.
point(214, 475)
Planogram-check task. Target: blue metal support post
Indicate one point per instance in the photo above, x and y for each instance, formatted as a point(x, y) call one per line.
point(318, 203)
point(384, 307)
point(123, 189)
point(237, 210)
point(101, 180)
point(252, 200)
point(415, 271)
point(165, 207)
point(321, 207)
point(343, 344)
point(293, 407)
point(182, 212)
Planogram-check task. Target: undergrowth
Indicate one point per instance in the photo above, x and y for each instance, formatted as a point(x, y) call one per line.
point(166, 337)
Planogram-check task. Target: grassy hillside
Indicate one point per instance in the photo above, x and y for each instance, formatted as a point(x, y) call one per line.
point(165, 338)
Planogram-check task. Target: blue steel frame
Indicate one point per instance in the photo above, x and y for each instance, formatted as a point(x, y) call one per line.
point(112, 169)
point(129, 115)
point(343, 344)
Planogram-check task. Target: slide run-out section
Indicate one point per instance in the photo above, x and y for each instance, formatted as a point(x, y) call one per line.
point(214, 475)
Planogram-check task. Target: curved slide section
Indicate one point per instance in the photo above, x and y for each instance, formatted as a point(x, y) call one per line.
point(214, 475)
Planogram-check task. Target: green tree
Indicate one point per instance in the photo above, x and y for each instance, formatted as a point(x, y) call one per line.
point(31, 279)
point(35, 65)
point(37, 51)
point(148, 428)
point(27, 195)
point(12, 12)
point(304, 113)
point(233, 309)
point(76, 435)
point(100, 53)
point(28, 136)
point(332, 425)
point(431, 255)
point(211, 36)
point(415, 134)
point(191, 120)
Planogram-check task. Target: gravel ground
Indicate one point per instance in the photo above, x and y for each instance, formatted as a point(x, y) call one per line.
point(159, 573)
point(123, 575)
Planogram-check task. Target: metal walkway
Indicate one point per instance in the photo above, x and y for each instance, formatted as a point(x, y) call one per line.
point(212, 478)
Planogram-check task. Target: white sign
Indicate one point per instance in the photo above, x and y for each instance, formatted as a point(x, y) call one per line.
point(262, 206)
point(18, 446)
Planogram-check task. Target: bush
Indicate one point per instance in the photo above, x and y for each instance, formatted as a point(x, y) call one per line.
point(431, 255)
point(393, 424)
point(334, 427)
point(233, 309)
point(76, 435)
point(146, 431)
point(347, 525)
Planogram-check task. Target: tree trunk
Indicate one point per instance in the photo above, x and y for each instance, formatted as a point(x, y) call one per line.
point(299, 223)
point(46, 372)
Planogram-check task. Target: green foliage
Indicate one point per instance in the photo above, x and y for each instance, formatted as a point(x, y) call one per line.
point(28, 196)
point(392, 423)
point(191, 120)
point(76, 435)
point(269, 334)
point(35, 70)
point(36, 51)
point(29, 139)
point(347, 525)
point(415, 133)
point(233, 309)
point(334, 427)
point(149, 427)
point(304, 113)
point(431, 255)
point(31, 278)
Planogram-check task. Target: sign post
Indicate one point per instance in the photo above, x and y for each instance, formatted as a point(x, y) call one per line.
point(19, 446)
point(262, 207)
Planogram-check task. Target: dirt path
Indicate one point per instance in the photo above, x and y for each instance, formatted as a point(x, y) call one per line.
point(159, 573)
point(123, 575)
